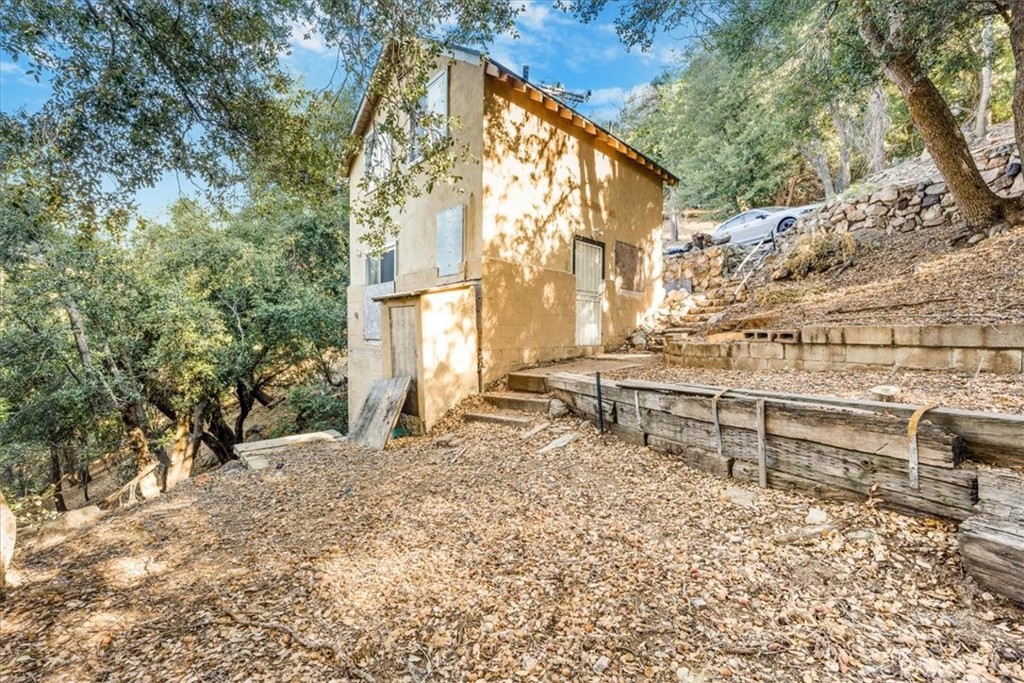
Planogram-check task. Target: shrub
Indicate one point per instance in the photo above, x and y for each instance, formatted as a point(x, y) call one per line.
point(819, 253)
point(318, 407)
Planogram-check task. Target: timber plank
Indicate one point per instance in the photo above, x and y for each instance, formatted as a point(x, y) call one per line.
point(869, 431)
point(997, 438)
point(252, 446)
point(993, 553)
point(379, 413)
point(1001, 494)
point(698, 458)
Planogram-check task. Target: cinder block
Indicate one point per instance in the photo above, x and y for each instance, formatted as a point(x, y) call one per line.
point(952, 336)
point(870, 355)
point(776, 364)
point(826, 353)
point(907, 335)
point(767, 350)
point(821, 335)
point(998, 361)
point(869, 335)
point(1004, 337)
point(740, 349)
point(748, 364)
point(786, 336)
point(922, 358)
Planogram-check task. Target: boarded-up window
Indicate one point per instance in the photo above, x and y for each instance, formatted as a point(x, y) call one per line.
point(629, 266)
point(429, 121)
point(449, 240)
point(371, 309)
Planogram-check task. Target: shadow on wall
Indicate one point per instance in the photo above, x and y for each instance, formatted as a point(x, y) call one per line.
point(544, 185)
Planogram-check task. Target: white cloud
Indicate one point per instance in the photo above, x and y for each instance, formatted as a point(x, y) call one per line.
point(10, 68)
point(304, 36)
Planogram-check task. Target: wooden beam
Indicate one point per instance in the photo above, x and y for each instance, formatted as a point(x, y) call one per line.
point(996, 438)
point(536, 95)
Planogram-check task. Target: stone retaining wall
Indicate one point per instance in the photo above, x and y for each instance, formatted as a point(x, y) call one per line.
point(702, 270)
point(913, 206)
point(967, 348)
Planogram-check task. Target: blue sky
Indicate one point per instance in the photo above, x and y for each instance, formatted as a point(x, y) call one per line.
point(554, 45)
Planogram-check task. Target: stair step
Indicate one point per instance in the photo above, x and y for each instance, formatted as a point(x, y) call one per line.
point(523, 402)
point(507, 419)
point(528, 382)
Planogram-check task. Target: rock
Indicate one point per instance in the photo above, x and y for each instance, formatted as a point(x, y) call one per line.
point(976, 237)
point(699, 603)
point(740, 496)
point(884, 392)
point(1013, 170)
point(75, 519)
point(936, 188)
point(930, 213)
point(861, 535)
point(816, 516)
point(877, 210)
point(601, 665)
point(930, 201)
point(557, 409)
point(886, 194)
point(448, 440)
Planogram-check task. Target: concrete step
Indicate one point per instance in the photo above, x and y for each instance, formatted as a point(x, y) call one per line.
point(523, 402)
point(506, 419)
point(528, 382)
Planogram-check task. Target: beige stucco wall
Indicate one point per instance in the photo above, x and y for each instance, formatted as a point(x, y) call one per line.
point(416, 253)
point(545, 181)
point(446, 340)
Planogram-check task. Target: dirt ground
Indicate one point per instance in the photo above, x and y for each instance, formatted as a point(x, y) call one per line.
point(970, 391)
point(482, 559)
point(906, 279)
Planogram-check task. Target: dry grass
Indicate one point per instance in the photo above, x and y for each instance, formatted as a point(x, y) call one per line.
point(820, 253)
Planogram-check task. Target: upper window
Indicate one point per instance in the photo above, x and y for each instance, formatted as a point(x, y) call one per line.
point(378, 149)
point(382, 268)
point(429, 123)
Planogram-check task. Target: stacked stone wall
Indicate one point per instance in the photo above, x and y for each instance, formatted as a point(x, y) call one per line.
point(914, 205)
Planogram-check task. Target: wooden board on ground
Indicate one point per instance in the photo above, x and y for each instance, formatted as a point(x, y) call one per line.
point(380, 411)
point(265, 444)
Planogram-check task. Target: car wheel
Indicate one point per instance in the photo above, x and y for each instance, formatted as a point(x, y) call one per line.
point(785, 224)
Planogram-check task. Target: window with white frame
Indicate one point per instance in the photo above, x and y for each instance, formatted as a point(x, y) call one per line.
point(378, 149)
point(380, 269)
point(429, 122)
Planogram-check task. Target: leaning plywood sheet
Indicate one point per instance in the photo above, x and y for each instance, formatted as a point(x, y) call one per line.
point(379, 413)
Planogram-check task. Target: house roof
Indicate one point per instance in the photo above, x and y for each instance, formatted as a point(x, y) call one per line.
point(505, 75)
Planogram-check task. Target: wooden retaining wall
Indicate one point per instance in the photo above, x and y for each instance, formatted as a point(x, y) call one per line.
point(918, 462)
point(968, 348)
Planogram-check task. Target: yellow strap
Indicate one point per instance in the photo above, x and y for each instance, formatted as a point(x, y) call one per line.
point(912, 448)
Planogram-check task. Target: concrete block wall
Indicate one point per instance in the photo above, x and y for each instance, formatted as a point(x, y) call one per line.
point(965, 348)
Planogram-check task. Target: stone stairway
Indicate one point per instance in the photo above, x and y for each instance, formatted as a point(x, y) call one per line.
point(685, 314)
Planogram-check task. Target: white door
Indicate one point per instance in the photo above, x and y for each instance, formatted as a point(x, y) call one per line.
point(589, 267)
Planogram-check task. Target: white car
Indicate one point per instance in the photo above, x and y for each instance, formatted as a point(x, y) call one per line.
point(757, 225)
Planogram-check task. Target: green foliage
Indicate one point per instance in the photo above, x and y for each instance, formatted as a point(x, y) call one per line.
point(142, 89)
point(318, 407)
point(722, 134)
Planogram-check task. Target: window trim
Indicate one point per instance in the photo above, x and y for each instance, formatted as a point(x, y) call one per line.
point(417, 155)
point(390, 246)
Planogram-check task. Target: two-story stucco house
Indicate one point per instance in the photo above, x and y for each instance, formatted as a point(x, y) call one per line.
point(549, 248)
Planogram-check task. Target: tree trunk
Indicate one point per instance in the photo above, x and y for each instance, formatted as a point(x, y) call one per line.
point(845, 131)
point(245, 403)
point(945, 141)
point(877, 126)
point(57, 479)
point(1017, 44)
point(187, 440)
point(220, 438)
point(981, 116)
point(815, 154)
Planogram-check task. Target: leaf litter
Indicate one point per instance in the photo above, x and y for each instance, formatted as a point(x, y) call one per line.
point(476, 558)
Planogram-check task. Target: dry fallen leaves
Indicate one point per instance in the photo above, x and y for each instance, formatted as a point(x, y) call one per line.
point(596, 561)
